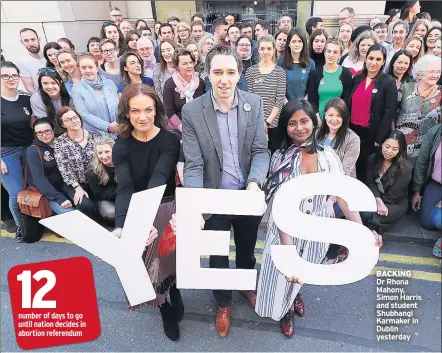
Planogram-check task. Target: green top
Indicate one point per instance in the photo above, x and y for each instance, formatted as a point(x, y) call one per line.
point(330, 87)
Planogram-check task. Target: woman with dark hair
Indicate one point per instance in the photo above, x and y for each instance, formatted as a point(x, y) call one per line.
point(73, 152)
point(140, 23)
point(184, 86)
point(93, 47)
point(17, 135)
point(409, 11)
point(280, 43)
point(131, 41)
point(50, 96)
point(131, 71)
point(400, 68)
point(65, 43)
point(42, 169)
point(388, 176)
point(299, 154)
point(95, 98)
point(372, 106)
point(430, 39)
point(337, 134)
point(144, 157)
point(244, 50)
point(110, 30)
point(296, 63)
point(316, 45)
point(329, 81)
point(50, 53)
point(101, 178)
point(69, 64)
point(163, 70)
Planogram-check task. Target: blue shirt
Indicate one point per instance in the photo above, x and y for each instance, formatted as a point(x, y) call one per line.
point(232, 177)
point(297, 78)
point(146, 80)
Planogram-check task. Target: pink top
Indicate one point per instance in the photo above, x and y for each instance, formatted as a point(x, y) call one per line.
point(437, 174)
point(361, 104)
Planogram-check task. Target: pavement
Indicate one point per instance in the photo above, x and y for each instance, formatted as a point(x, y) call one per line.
point(338, 318)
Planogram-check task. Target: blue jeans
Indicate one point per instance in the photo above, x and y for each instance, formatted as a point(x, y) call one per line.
point(13, 180)
point(57, 209)
point(432, 195)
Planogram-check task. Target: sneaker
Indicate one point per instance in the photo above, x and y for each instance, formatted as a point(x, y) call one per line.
point(170, 323)
point(18, 235)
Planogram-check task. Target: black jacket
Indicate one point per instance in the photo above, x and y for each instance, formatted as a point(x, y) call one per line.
point(46, 179)
point(383, 105)
point(313, 86)
point(106, 192)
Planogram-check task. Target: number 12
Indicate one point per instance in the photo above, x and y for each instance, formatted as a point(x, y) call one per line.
point(25, 278)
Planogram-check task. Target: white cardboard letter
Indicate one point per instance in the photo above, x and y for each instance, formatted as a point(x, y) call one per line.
point(358, 239)
point(192, 242)
point(124, 254)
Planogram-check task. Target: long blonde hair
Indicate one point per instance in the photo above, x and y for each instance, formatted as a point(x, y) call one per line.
point(97, 165)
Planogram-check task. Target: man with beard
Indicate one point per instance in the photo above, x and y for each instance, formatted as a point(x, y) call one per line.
point(29, 65)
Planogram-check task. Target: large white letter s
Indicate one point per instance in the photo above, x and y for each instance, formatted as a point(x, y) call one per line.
point(358, 239)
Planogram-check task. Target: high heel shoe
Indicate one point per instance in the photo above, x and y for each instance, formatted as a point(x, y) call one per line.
point(170, 324)
point(177, 302)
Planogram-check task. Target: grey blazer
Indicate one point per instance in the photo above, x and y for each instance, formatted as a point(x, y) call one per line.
point(202, 141)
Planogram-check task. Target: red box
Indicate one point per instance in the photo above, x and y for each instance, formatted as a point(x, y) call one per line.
point(54, 303)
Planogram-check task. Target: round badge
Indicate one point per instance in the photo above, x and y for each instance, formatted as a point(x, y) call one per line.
point(322, 82)
point(433, 100)
point(304, 71)
point(375, 90)
point(247, 107)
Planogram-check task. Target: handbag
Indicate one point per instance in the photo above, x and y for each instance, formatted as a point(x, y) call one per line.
point(30, 201)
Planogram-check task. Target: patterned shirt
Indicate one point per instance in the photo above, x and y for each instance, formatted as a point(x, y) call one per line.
point(72, 159)
point(416, 116)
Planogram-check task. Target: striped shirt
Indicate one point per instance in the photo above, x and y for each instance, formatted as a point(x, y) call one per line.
point(270, 87)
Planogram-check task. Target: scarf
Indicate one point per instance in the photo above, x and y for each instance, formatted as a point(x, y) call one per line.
point(186, 89)
point(108, 106)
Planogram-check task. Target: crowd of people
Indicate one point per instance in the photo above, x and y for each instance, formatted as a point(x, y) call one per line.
point(234, 108)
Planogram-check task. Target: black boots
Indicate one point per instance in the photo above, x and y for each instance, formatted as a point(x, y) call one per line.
point(172, 313)
point(170, 322)
point(18, 235)
point(177, 302)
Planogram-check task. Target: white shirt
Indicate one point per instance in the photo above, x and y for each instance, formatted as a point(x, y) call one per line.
point(29, 67)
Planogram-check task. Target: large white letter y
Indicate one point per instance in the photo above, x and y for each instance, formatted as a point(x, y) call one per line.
point(124, 254)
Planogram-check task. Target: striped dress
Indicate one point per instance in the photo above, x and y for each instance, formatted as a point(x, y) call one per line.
point(275, 295)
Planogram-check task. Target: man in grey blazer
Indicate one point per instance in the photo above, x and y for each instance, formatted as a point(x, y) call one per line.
point(225, 147)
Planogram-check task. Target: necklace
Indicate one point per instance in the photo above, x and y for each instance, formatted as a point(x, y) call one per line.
point(74, 139)
point(426, 93)
point(331, 72)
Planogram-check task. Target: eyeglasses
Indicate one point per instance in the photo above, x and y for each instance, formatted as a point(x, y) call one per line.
point(46, 70)
point(116, 15)
point(6, 77)
point(70, 120)
point(108, 23)
point(433, 72)
point(343, 18)
point(42, 133)
point(85, 53)
point(108, 51)
point(145, 49)
point(244, 45)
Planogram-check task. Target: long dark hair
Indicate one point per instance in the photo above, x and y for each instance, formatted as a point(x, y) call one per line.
point(287, 112)
point(435, 28)
point(135, 89)
point(399, 163)
point(304, 58)
point(50, 45)
point(138, 21)
point(47, 101)
point(316, 33)
point(341, 108)
point(121, 44)
point(375, 47)
point(392, 13)
point(393, 60)
point(405, 10)
point(125, 79)
point(128, 38)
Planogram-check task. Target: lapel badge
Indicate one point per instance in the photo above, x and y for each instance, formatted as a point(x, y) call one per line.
point(304, 71)
point(433, 100)
point(322, 82)
point(375, 90)
point(247, 107)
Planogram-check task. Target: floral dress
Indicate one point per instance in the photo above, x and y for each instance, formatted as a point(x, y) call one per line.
point(416, 116)
point(275, 294)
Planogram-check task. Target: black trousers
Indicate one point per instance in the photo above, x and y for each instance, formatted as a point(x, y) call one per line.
point(367, 148)
point(5, 211)
point(245, 230)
